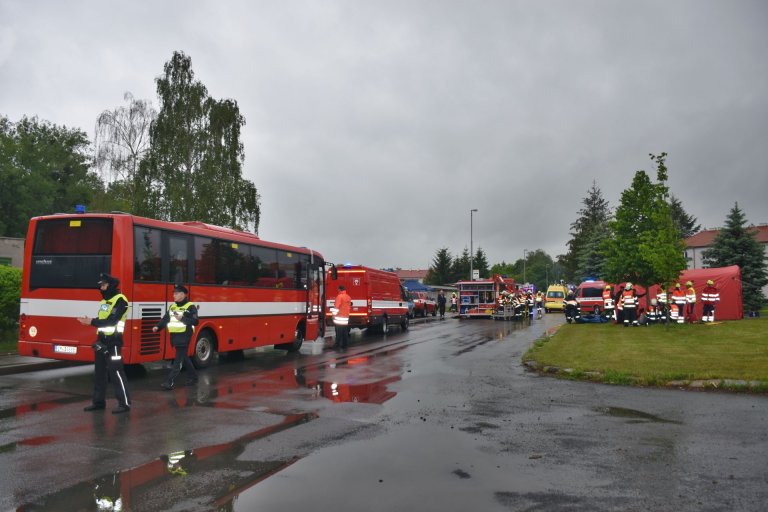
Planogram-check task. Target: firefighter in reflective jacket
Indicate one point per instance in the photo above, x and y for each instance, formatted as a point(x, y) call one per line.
point(108, 361)
point(690, 299)
point(679, 300)
point(608, 306)
point(629, 303)
point(181, 319)
point(710, 296)
point(663, 311)
point(342, 306)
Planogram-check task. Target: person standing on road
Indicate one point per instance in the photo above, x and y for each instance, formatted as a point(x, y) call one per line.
point(181, 319)
point(710, 296)
point(454, 303)
point(441, 304)
point(108, 361)
point(342, 306)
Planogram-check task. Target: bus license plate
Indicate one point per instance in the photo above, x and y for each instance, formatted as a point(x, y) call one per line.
point(64, 349)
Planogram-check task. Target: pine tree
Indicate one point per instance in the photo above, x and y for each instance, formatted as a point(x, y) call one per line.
point(737, 244)
point(440, 271)
point(595, 214)
point(591, 259)
point(480, 263)
point(460, 267)
point(686, 224)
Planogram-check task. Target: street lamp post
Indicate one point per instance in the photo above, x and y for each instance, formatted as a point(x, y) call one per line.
point(524, 257)
point(471, 255)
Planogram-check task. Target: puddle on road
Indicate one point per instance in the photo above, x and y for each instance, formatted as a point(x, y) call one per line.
point(30, 441)
point(428, 464)
point(634, 416)
point(47, 405)
point(209, 478)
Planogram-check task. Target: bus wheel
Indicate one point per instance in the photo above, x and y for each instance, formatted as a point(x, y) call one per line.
point(295, 345)
point(205, 347)
point(404, 322)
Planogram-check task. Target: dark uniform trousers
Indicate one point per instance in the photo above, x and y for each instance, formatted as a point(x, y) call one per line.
point(181, 343)
point(109, 366)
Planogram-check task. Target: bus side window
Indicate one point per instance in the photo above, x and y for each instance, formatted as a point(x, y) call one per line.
point(178, 259)
point(146, 254)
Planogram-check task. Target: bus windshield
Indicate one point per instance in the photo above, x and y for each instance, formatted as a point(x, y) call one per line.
point(70, 253)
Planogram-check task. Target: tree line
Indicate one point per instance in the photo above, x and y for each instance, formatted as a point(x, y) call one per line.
point(642, 241)
point(180, 162)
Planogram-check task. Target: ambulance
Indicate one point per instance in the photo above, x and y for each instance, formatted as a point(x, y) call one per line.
point(378, 298)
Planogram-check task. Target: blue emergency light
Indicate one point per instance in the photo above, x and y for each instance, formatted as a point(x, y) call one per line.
point(79, 208)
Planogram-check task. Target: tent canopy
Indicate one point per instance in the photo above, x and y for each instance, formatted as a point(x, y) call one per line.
point(415, 286)
point(728, 283)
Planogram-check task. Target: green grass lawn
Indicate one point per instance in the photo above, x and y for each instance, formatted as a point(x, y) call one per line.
point(658, 354)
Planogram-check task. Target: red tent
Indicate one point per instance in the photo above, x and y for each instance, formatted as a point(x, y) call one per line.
point(728, 283)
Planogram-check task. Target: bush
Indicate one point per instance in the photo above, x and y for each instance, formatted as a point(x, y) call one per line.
point(10, 292)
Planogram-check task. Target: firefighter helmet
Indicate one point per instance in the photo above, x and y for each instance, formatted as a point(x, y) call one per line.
point(689, 283)
point(607, 287)
point(628, 286)
point(677, 285)
point(710, 282)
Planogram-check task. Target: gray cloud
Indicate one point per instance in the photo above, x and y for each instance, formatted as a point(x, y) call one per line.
point(374, 127)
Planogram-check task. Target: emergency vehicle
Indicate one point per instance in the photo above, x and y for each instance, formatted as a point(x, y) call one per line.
point(589, 295)
point(378, 298)
point(423, 305)
point(480, 298)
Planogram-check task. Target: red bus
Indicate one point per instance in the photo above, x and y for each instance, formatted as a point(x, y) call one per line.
point(250, 292)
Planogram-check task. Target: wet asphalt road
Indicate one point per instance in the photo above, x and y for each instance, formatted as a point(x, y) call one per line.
point(443, 417)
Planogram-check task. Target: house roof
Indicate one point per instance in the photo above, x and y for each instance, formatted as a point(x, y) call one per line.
point(411, 274)
point(706, 237)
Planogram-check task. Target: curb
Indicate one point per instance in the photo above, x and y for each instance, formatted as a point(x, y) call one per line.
point(10, 369)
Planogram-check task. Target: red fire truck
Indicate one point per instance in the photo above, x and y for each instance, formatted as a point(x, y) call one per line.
point(479, 298)
point(378, 298)
point(250, 292)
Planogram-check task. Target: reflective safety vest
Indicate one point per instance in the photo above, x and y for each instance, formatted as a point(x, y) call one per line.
point(176, 325)
point(661, 297)
point(629, 299)
point(607, 299)
point(105, 309)
point(690, 295)
point(678, 297)
point(710, 295)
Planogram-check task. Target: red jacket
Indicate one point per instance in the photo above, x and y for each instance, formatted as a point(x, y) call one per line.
point(343, 303)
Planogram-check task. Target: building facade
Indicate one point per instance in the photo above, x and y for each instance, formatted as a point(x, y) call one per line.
point(11, 251)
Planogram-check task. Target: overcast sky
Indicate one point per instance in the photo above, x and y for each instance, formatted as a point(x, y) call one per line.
point(373, 128)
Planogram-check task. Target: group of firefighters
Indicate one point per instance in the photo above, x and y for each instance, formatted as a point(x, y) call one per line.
point(523, 303)
point(674, 305)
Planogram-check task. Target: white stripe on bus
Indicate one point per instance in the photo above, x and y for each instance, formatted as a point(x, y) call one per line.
point(75, 308)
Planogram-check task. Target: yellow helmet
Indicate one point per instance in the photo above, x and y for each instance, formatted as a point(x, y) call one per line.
point(607, 287)
point(710, 282)
point(689, 283)
point(677, 285)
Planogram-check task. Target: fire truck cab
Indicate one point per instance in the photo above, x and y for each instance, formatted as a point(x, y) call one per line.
point(378, 298)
